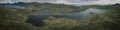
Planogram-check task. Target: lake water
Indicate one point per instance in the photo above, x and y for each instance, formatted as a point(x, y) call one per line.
point(38, 19)
point(14, 6)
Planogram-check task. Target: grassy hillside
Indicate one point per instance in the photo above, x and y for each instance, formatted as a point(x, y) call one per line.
point(107, 21)
point(50, 8)
point(15, 19)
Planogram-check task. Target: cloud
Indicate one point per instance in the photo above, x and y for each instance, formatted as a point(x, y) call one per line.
point(107, 1)
point(101, 2)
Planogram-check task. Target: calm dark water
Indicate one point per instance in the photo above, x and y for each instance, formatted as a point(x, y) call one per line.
point(38, 19)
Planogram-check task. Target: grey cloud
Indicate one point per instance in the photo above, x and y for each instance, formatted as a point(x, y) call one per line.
point(65, 1)
point(1, 0)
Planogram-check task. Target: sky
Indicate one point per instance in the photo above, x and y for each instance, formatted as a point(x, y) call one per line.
point(77, 2)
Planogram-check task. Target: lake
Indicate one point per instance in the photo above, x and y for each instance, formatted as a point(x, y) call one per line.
point(38, 19)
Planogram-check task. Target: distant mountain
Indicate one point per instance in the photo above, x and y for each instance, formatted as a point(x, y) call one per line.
point(54, 8)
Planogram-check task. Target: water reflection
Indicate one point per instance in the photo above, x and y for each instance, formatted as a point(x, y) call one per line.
point(81, 15)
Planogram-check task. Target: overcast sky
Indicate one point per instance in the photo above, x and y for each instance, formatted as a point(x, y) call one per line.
point(101, 2)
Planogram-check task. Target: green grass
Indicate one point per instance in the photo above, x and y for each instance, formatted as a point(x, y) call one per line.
point(15, 19)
